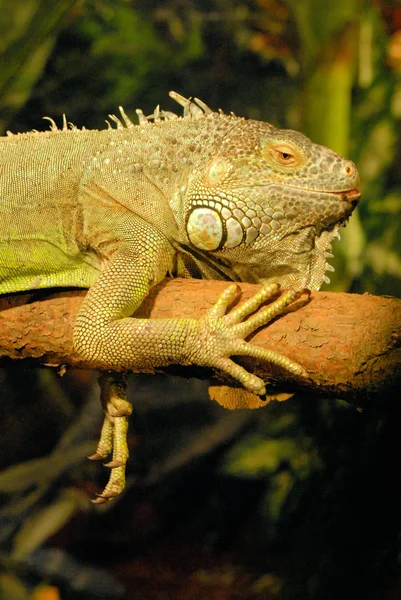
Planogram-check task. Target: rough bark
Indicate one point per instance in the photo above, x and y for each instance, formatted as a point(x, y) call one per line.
point(350, 344)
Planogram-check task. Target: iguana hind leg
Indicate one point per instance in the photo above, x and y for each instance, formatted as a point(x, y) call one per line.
point(113, 437)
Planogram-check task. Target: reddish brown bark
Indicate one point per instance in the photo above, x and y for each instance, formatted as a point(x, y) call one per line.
point(350, 344)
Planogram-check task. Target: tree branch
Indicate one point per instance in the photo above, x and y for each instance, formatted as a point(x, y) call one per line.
point(350, 344)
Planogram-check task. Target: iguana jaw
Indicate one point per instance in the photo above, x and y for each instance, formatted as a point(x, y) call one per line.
point(298, 262)
point(313, 262)
point(350, 200)
point(323, 251)
point(295, 257)
point(299, 258)
point(351, 197)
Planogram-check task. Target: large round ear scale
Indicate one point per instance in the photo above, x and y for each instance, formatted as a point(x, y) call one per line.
point(205, 228)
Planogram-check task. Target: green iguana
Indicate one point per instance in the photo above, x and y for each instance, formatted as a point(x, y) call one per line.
point(205, 195)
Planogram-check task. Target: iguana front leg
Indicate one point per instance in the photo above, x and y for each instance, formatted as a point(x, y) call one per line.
point(217, 329)
point(106, 333)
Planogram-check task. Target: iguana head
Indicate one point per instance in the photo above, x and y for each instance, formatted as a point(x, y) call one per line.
point(268, 203)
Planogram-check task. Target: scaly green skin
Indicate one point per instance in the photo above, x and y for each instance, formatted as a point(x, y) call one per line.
point(206, 195)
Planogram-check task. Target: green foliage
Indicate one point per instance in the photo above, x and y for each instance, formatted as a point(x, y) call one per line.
point(28, 30)
point(377, 154)
point(264, 454)
point(318, 21)
point(131, 68)
point(285, 457)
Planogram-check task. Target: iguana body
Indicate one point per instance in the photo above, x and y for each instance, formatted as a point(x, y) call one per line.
point(207, 195)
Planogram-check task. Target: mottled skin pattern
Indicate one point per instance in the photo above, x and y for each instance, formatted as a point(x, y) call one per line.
point(205, 195)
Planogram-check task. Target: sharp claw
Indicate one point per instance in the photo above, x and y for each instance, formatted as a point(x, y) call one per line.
point(114, 463)
point(96, 456)
point(107, 495)
point(99, 500)
point(104, 497)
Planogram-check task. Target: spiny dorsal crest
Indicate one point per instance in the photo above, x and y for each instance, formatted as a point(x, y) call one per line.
point(67, 126)
point(193, 109)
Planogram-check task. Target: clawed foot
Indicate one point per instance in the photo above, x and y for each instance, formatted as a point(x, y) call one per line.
point(223, 335)
point(113, 437)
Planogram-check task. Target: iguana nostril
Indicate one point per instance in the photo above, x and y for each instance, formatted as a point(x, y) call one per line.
point(350, 169)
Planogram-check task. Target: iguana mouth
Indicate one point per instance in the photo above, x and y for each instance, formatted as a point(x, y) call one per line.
point(351, 196)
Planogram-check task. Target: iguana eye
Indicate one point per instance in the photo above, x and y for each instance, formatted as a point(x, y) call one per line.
point(283, 154)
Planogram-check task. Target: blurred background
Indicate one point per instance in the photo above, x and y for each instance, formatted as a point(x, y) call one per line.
point(299, 500)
